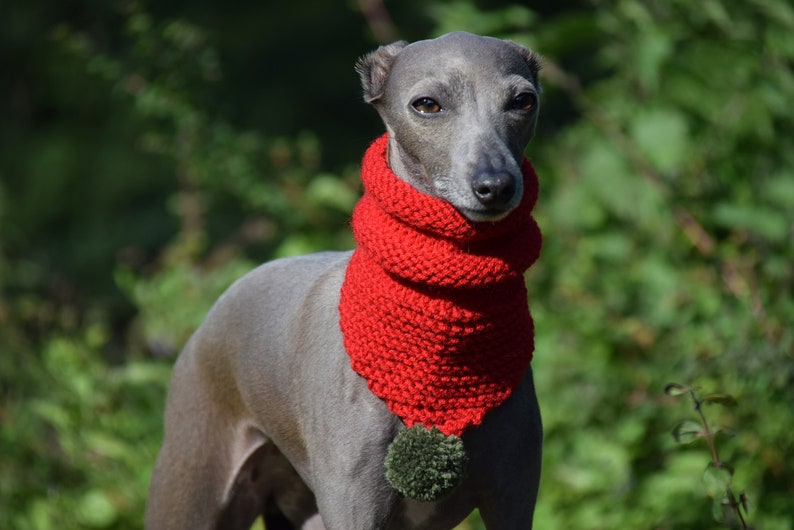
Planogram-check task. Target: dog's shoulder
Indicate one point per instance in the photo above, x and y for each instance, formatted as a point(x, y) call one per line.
point(288, 272)
point(283, 282)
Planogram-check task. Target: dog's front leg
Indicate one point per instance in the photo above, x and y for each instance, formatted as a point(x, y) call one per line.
point(506, 460)
point(348, 431)
point(360, 507)
point(196, 463)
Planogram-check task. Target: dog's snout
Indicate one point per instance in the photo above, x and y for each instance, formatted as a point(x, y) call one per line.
point(493, 189)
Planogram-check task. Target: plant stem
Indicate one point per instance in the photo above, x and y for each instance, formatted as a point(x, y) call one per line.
point(709, 436)
point(707, 431)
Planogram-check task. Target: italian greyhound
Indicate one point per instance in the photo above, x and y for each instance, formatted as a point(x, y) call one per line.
point(265, 416)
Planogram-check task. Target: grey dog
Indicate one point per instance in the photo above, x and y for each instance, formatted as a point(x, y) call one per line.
point(265, 415)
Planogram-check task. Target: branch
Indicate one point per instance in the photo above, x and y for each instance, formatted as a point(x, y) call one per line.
point(379, 21)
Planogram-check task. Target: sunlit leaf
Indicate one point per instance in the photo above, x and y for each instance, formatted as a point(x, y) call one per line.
point(687, 432)
point(95, 509)
point(329, 190)
point(727, 433)
point(663, 137)
point(719, 509)
point(40, 514)
point(674, 389)
point(105, 444)
point(720, 399)
point(763, 221)
point(717, 479)
point(141, 373)
point(652, 49)
point(779, 189)
point(53, 412)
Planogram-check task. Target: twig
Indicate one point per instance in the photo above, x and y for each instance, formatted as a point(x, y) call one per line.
point(379, 20)
point(715, 458)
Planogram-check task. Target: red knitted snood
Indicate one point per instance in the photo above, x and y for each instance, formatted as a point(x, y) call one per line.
point(433, 306)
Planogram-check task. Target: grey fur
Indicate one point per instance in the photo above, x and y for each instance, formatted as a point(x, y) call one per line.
point(264, 414)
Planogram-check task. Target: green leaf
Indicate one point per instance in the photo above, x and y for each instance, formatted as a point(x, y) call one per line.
point(717, 480)
point(144, 373)
point(717, 13)
point(40, 515)
point(779, 189)
point(330, 190)
point(779, 11)
point(54, 413)
point(719, 509)
point(728, 433)
point(770, 224)
point(663, 137)
point(674, 389)
point(95, 509)
point(105, 445)
point(652, 49)
point(725, 400)
point(687, 432)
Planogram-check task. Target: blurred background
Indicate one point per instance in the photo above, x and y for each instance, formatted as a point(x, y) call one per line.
point(153, 152)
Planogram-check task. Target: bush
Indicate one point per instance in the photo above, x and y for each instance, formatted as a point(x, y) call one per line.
point(139, 180)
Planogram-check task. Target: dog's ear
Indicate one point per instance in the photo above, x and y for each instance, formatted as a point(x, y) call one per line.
point(374, 69)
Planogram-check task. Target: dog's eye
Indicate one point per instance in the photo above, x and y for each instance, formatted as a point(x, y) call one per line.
point(426, 105)
point(524, 101)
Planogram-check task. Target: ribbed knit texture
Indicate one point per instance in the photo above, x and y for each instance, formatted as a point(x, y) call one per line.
point(433, 306)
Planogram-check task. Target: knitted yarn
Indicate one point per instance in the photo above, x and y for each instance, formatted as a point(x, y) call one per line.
point(433, 306)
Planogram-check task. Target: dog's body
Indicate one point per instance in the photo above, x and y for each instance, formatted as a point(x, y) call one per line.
point(264, 413)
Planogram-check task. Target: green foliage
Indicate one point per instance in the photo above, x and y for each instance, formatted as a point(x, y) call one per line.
point(297, 209)
point(663, 260)
point(149, 157)
point(727, 508)
point(77, 452)
point(425, 464)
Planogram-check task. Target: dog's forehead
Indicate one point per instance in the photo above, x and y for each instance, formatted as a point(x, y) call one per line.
point(460, 52)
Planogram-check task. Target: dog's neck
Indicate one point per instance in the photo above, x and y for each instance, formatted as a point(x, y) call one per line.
point(433, 306)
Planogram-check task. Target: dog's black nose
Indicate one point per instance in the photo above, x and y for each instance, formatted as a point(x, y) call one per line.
point(493, 190)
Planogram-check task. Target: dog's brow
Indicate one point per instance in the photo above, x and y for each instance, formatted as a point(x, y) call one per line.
point(448, 86)
point(519, 82)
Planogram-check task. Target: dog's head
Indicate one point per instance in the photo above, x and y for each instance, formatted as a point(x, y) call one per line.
point(459, 110)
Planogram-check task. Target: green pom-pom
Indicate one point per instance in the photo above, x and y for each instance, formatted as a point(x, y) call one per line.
point(425, 464)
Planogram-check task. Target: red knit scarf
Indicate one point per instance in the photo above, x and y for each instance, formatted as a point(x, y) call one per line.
point(433, 306)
